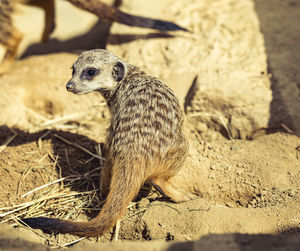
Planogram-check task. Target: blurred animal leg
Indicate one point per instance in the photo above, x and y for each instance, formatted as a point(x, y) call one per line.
point(49, 7)
point(11, 50)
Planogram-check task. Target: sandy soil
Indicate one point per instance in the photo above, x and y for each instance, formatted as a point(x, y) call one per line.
point(242, 124)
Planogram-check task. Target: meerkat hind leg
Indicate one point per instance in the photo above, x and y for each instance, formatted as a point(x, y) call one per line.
point(171, 190)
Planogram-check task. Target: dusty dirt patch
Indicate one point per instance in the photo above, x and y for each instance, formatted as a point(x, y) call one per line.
point(239, 192)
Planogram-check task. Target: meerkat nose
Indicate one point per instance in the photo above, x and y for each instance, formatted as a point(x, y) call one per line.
point(70, 86)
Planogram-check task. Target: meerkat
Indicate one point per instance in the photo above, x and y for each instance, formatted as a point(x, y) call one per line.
point(10, 37)
point(144, 141)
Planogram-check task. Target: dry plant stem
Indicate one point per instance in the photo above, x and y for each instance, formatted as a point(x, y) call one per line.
point(69, 243)
point(220, 117)
point(40, 142)
point(79, 147)
point(134, 214)
point(117, 230)
point(99, 105)
point(22, 178)
point(98, 149)
point(286, 128)
point(197, 135)
point(226, 127)
point(8, 140)
point(69, 178)
point(41, 159)
point(68, 117)
point(59, 167)
point(19, 207)
point(45, 134)
point(61, 119)
point(43, 186)
point(67, 156)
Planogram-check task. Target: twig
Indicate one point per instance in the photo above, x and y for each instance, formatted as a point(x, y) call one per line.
point(225, 126)
point(220, 117)
point(8, 140)
point(69, 116)
point(58, 165)
point(99, 105)
point(22, 178)
point(69, 243)
point(43, 186)
point(286, 128)
point(67, 156)
point(117, 230)
point(61, 119)
point(78, 146)
point(41, 138)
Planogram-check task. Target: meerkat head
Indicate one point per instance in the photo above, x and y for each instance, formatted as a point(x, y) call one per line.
point(96, 70)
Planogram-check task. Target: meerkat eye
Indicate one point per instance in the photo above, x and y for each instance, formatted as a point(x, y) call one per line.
point(90, 73)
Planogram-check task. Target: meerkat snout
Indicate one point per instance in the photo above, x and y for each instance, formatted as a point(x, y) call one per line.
point(70, 86)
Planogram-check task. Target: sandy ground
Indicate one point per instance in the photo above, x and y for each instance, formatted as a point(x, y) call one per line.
point(237, 78)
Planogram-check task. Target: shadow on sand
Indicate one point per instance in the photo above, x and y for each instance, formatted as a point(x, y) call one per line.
point(279, 23)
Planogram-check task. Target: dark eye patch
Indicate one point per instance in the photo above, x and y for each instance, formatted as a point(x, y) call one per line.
point(89, 73)
point(73, 70)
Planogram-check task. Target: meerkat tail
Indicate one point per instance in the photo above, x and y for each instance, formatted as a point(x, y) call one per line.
point(121, 193)
point(112, 14)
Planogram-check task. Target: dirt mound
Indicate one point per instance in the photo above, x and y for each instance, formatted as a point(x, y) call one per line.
point(233, 87)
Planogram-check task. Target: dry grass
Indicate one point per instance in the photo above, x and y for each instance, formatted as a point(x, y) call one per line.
point(58, 196)
point(53, 201)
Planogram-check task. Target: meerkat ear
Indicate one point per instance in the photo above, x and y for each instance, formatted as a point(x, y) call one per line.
point(118, 71)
